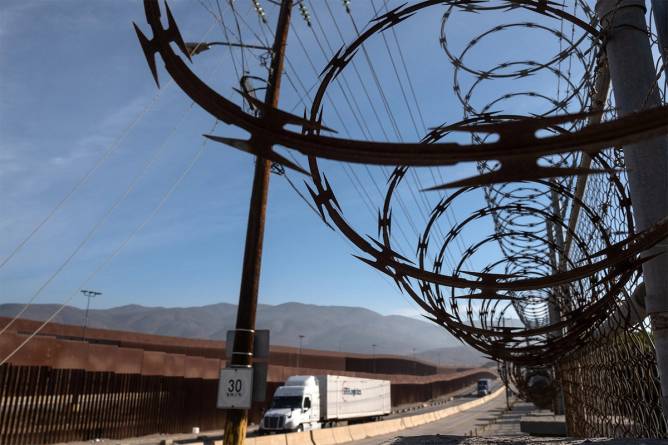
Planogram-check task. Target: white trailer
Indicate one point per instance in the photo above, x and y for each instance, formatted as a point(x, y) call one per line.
point(308, 402)
point(347, 398)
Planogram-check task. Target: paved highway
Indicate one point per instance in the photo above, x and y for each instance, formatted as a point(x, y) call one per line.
point(461, 396)
point(459, 424)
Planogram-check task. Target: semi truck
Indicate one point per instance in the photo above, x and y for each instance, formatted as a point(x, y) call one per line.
point(483, 387)
point(308, 402)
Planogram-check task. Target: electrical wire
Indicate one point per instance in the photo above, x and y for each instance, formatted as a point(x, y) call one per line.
point(111, 149)
point(115, 253)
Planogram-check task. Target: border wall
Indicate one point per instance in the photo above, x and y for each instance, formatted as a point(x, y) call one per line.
point(114, 384)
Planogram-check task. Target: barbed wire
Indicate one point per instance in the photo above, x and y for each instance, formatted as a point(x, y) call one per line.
point(570, 255)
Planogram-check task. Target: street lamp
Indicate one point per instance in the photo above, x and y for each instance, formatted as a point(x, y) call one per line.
point(299, 356)
point(373, 350)
point(195, 48)
point(89, 294)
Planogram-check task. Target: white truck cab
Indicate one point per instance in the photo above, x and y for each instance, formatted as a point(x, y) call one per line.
point(295, 406)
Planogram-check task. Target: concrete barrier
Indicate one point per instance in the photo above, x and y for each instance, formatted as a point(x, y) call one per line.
point(447, 412)
point(357, 432)
point(538, 424)
point(270, 439)
point(407, 422)
point(374, 429)
point(324, 436)
point(419, 419)
point(345, 434)
point(430, 417)
point(341, 434)
point(303, 438)
point(389, 426)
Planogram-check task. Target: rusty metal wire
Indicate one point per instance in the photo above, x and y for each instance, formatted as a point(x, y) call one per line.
point(610, 384)
point(565, 284)
point(524, 282)
point(611, 387)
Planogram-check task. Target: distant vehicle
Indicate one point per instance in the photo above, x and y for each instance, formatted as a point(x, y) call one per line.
point(483, 387)
point(308, 402)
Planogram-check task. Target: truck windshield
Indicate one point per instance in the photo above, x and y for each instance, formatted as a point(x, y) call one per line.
point(287, 402)
point(482, 384)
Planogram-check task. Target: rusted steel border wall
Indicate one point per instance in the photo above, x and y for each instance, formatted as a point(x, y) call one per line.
point(59, 388)
point(279, 355)
point(39, 404)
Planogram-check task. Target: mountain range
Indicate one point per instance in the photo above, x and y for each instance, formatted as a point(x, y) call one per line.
point(332, 328)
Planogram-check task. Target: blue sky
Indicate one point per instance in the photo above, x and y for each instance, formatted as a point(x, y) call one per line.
point(74, 83)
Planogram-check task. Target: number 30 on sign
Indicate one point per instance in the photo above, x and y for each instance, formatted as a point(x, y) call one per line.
point(235, 388)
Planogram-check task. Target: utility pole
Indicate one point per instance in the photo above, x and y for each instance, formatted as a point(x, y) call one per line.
point(242, 353)
point(89, 294)
point(634, 85)
point(558, 302)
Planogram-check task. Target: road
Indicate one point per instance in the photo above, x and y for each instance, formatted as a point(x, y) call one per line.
point(459, 424)
point(461, 396)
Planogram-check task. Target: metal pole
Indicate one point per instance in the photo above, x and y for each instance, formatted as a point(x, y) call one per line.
point(560, 297)
point(242, 355)
point(506, 376)
point(553, 311)
point(373, 350)
point(299, 356)
point(635, 88)
point(89, 294)
point(660, 11)
point(598, 99)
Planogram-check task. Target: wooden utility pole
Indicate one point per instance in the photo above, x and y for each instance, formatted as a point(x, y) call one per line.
point(242, 353)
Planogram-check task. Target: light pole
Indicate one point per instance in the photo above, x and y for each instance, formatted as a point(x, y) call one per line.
point(89, 294)
point(299, 356)
point(195, 48)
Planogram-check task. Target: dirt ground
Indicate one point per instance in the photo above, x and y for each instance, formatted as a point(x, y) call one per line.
point(521, 440)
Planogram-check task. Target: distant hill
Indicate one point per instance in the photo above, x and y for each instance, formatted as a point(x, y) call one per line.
point(333, 328)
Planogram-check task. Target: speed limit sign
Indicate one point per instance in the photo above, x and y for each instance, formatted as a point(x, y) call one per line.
point(235, 388)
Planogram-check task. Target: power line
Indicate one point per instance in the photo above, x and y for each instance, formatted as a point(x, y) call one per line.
point(115, 253)
point(106, 154)
point(84, 179)
point(157, 153)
